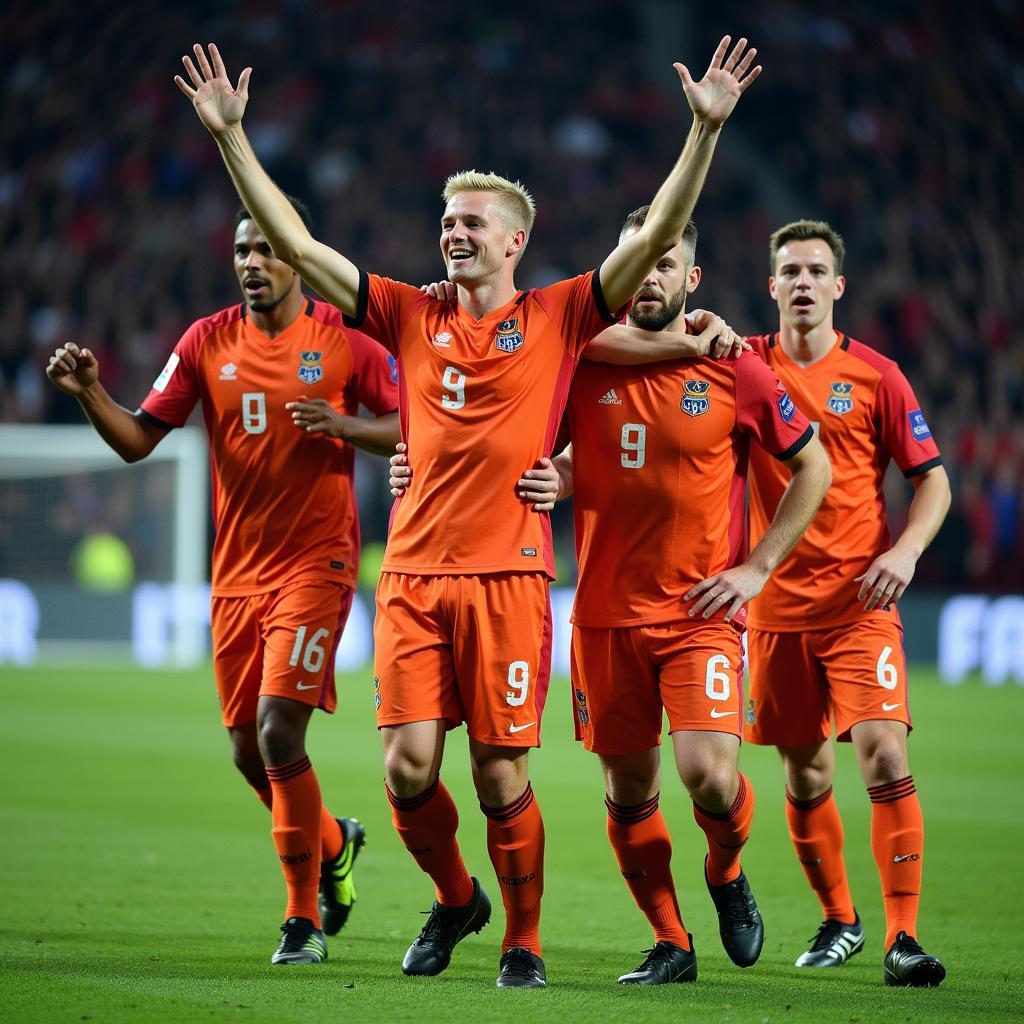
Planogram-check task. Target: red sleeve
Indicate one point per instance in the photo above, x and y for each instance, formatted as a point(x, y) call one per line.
point(765, 410)
point(176, 390)
point(375, 374)
point(902, 427)
point(382, 308)
point(578, 309)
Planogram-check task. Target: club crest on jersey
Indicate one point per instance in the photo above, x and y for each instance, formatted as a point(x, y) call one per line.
point(839, 401)
point(695, 400)
point(581, 707)
point(310, 370)
point(509, 338)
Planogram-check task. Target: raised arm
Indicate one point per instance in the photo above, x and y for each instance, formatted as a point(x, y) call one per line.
point(76, 372)
point(712, 100)
point(220, 107)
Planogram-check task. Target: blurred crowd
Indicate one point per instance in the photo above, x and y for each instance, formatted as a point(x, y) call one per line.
point(894, 123)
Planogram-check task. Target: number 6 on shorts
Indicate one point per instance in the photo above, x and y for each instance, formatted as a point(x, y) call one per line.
point(716, 683)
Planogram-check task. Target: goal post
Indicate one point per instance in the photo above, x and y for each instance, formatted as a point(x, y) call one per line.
point(98, 557)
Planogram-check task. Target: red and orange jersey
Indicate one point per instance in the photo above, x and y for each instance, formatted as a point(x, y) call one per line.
point(866, 414)
point(481, 401)
point(659, 465)
point(283, 501)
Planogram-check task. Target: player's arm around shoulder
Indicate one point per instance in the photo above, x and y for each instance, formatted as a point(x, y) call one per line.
point(626, 345)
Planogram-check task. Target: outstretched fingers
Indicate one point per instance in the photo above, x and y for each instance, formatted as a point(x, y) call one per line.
point(719, 55)
point(737, 52)
point(197, 79)
point(204, 64)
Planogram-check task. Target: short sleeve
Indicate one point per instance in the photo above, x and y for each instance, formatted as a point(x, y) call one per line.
point(766, 412)
point(578, 309)
point(382, 308)
point(902, 427)
point(375, 373)
point(176, 390)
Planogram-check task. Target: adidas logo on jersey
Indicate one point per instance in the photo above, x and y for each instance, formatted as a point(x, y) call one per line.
point(610, 398)
point(228, 372)
point(443, 340)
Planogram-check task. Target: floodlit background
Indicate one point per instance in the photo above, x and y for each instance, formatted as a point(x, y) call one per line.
point(138, 879)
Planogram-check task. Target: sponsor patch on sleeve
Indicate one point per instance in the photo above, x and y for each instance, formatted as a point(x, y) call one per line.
point(918, 426)
point(166, 373)
point(393, 367)
point(786, 407)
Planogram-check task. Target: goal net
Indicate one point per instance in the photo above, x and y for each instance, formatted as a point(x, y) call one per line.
point(100, 559)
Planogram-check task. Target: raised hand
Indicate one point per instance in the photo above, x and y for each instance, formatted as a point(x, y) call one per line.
point(219, 105)
point(713, 98)
point(73, 369)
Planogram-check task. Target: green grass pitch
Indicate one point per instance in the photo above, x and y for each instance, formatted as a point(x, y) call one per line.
point(139, 882)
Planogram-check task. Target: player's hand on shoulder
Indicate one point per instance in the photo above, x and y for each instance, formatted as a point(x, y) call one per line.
point(73, 369)
point(714, 97)
point(886, 579)
point(317, 416)
point(442, 291)
point(733, 587)
point(401, 472)
point(219, 104)
point(715, 338)
point(539, 486)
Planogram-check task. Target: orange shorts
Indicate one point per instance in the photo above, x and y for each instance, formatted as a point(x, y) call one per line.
point(798, 681)
point(622, 678)
point(280, 644)
point(473, 649)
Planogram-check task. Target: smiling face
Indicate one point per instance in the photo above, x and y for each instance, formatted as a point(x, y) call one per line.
point(265, 280)
point(476, 240)
point(805, 284)
point(662, 297)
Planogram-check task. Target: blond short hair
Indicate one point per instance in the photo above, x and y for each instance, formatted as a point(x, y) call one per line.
point(515, 203)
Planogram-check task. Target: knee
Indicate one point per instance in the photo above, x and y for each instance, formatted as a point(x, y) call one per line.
point(281, 741)
point(406, 773)
point(886, 762)
point(630, 788)
point(500, 781)
point(712, 785)
point(808, 779)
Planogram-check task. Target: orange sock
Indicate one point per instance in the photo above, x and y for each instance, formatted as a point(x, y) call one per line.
point(296, 816)
point(817, 833)
point(330, 835)
point(727, 833)
point(426, 824)
point(330, 830)
point(897, 841)
point(515, 841)
point(643, 849)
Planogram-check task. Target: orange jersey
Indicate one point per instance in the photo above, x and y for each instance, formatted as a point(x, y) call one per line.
point(283, 502)
point(660, 461)
point(866, 414)
point(481, 401)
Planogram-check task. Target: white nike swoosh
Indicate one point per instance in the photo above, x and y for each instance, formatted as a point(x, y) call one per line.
point(520, 728)
point(889, 707)
point(306, 686)
point(715, 713)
